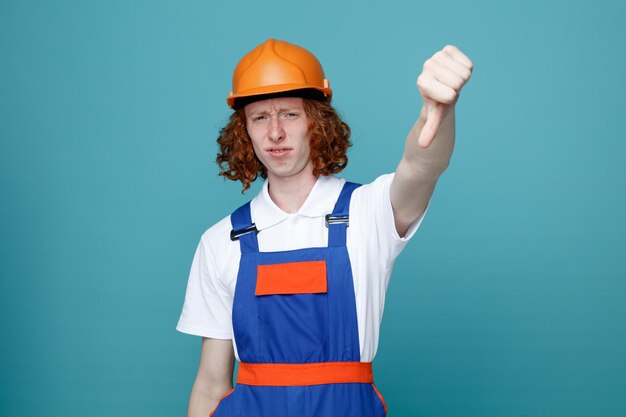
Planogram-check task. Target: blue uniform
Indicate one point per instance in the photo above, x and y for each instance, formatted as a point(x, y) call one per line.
point(295, 326)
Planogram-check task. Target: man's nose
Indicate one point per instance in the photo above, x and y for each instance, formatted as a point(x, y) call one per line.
point(276, 131)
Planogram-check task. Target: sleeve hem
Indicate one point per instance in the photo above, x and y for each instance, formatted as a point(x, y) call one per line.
point(203, 332)
point(413, 228)
point(389, 207)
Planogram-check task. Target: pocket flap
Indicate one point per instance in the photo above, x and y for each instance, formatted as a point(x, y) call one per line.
point(291, 278)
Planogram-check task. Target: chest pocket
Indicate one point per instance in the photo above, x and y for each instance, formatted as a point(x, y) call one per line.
point(293, 311)
point(292, 278)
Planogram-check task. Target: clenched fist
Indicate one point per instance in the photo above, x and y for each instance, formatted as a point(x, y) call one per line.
point(442, 78)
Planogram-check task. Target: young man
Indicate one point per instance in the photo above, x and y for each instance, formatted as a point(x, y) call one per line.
point(292, 284)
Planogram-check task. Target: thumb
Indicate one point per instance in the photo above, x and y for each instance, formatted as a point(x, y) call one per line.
point(433, 121)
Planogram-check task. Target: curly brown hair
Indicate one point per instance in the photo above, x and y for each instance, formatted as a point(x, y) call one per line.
point(330, 140)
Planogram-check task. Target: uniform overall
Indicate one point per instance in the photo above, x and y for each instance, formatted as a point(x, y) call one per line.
point(295, 326)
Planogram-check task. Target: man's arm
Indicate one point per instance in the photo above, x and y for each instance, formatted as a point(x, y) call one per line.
point(430, 142)
point(214, 378)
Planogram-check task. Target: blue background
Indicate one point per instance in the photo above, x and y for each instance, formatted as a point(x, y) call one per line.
point(508, 302)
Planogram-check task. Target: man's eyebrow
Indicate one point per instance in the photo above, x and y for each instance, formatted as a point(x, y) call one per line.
point(287, 109)
point(281, 110)
point(258, 113)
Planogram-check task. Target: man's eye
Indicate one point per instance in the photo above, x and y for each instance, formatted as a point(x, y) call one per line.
point(259, 118)
point(291, 115)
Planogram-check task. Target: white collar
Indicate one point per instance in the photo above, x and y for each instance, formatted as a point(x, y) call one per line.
point(320, 201)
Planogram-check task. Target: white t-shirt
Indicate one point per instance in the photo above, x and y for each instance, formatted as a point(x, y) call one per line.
point(372, 240)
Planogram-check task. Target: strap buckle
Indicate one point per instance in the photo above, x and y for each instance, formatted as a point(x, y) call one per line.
point(333, 219)
point(236, 234)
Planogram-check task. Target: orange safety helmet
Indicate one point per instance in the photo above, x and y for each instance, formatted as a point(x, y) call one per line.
point(275, 67)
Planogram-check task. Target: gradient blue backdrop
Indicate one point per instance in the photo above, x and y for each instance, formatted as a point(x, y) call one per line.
point(510, 301)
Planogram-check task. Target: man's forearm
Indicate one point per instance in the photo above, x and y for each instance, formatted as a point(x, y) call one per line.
point(431, 161)
point(203, 400)
point(419, 169)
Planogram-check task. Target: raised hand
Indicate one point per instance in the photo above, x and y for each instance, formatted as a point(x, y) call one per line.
point(440, 83)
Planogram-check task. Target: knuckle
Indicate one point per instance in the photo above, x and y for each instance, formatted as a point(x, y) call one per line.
point(449, 98)
point(440, 55)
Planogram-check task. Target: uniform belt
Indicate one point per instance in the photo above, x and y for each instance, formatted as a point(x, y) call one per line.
point(295, 374)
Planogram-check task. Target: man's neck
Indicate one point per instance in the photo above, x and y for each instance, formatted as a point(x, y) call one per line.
point(290, 194)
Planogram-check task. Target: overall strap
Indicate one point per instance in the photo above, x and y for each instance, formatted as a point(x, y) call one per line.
point(337, 222)
point(244, 230)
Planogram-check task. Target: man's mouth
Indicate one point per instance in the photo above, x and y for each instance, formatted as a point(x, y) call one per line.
point(279, 151)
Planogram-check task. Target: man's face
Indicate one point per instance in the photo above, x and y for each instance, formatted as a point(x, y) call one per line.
point(279, 130)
